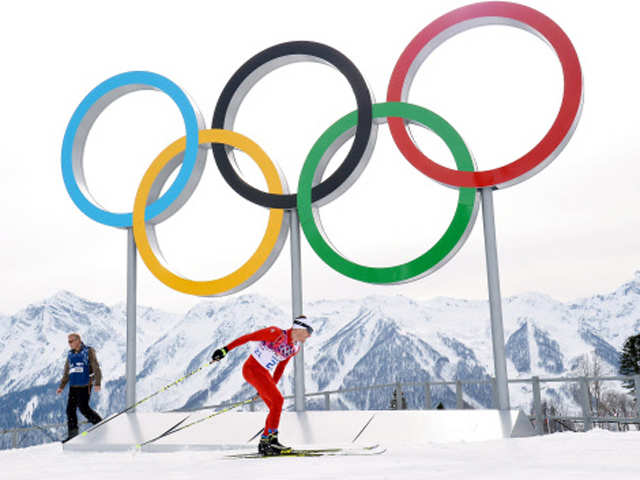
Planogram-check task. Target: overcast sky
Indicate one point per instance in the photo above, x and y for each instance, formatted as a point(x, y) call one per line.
point(570, 231)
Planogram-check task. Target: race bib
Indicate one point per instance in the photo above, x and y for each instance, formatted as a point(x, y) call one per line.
point(76, 370)
point(266, 357)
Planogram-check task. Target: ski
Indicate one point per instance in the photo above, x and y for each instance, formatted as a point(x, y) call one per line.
point(316, 452)
point(339, 449)
point(305, 453)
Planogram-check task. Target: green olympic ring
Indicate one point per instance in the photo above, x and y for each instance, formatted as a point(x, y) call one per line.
point(443, 250)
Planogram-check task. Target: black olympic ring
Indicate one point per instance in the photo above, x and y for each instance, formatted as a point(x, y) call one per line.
point(256, 68)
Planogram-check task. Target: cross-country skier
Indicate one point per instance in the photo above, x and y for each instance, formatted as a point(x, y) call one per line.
point(263, 369)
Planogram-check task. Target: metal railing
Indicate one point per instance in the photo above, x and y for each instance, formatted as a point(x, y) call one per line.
point(587, 418)
point(539, 418)
point(15, 442)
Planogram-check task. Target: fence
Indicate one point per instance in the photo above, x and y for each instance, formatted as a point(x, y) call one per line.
point(539, 418)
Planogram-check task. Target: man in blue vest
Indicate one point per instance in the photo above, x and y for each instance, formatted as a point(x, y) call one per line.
point(81, 372)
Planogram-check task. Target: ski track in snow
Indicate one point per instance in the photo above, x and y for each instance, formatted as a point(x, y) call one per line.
point(595, 455)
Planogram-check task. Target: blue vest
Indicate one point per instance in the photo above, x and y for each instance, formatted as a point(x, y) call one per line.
point(79, 369)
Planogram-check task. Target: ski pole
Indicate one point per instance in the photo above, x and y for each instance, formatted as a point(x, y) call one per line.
point(130, 407)
point(191, 424)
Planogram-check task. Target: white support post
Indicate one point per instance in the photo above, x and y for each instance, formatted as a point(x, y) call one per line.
point(427, 396)
point(495, 301)
point(130, 395)
point(586, 404)
point(296, 304)
point(537, 405)
point(459, 400)
point(494, 392)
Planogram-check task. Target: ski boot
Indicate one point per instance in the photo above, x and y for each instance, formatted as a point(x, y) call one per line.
point(270, 446)
point(263, 446)
point(275, 445)
point(73, 432)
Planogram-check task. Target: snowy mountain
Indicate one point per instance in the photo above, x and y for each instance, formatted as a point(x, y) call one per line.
point(374, 340)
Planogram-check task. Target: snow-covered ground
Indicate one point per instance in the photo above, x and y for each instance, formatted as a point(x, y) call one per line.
point(596, 455)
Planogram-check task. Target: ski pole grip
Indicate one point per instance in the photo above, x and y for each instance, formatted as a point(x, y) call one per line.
point(219, 354)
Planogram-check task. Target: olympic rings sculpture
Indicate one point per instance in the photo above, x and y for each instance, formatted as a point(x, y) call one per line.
point(187, 153)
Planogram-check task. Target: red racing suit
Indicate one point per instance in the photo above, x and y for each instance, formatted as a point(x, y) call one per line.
point(264, 367)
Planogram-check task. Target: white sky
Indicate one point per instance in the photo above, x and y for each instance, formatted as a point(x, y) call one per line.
point(570, 231)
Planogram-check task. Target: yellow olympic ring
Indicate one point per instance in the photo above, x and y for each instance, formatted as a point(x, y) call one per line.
point(266, 253)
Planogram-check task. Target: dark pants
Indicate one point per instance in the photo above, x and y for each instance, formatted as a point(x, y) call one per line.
point(79, 398)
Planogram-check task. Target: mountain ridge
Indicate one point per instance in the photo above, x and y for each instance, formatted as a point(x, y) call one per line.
point(374, 340)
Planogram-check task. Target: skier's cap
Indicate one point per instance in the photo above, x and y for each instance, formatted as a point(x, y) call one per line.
point(299, 322)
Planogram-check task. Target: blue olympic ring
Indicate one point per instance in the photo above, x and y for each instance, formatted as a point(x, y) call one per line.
point(98, 99)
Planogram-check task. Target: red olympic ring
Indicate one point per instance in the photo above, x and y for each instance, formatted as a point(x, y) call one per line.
point(463, 19)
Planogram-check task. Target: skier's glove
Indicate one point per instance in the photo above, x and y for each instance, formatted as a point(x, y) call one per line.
point(219, 354)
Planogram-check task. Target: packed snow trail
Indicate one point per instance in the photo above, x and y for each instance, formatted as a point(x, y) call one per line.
point(596, 455)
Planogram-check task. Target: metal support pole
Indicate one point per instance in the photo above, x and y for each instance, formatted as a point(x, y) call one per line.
point(427, 396)
point(252, 406)
point(296, 307)
point(537, 405)
point(132, 257)
point(459, 401)
point(636, 383)
point(398, 395)
point(14, 439)
point(494, 392)
point(327, 402)
point(495, 301)
point(586, 404)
